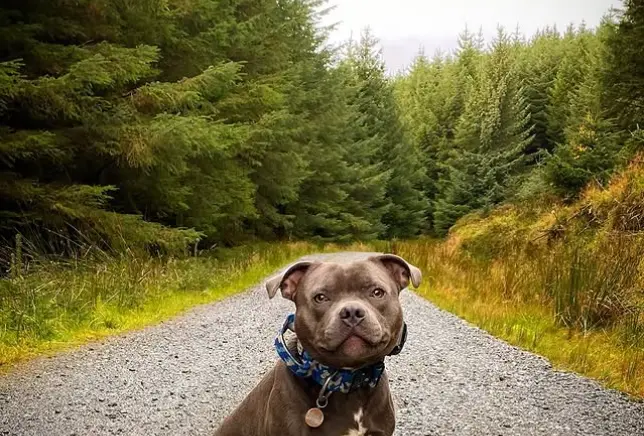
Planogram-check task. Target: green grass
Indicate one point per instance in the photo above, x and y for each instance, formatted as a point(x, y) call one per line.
point(55, 306)
point(579, 306)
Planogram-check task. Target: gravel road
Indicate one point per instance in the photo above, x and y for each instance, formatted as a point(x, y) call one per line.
point(183, 376)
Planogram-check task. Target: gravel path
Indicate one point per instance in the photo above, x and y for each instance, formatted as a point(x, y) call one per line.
point(183, 376)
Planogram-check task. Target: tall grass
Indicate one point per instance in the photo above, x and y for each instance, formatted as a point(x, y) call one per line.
point(47, 305)
point(564, 280)
point(580, 307)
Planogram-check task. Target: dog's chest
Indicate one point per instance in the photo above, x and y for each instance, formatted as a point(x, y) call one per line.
point(360, 428)
point(355, 420)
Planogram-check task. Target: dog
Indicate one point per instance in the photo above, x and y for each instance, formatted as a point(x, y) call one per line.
point(330, 379)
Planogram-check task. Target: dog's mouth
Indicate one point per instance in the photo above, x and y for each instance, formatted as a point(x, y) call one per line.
point(337, 340)
point(351, 348)
point(355, 344)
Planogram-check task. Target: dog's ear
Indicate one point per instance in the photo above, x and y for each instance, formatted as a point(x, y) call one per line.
point(288, 281)
point(400, 269)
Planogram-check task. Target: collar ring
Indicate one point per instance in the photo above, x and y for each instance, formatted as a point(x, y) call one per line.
point(323, 398)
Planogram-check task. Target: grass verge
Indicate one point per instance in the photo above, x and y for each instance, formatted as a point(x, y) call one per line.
point(516, 300)
point(59, 305)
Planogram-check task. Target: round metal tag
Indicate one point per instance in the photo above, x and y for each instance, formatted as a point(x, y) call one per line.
point(314, 417)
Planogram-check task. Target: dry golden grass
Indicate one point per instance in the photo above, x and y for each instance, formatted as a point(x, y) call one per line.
point(565, 281)
point(510, 297)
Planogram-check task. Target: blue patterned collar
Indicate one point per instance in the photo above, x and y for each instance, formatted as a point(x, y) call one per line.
point(331, 379)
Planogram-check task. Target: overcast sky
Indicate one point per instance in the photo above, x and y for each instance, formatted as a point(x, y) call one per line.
point(404, 25)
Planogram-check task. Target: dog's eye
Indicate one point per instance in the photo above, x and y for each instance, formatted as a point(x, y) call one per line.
point(320, 298)
point(378, 293)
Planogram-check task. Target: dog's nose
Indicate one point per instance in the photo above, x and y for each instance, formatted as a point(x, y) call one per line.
point(352, 315)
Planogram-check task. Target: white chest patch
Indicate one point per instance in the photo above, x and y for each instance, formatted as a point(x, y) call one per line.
point(362, 430)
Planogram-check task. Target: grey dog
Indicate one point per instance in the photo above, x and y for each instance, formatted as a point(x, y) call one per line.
point(348, 319)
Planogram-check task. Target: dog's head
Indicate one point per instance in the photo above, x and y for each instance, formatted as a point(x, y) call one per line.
point(347, 315)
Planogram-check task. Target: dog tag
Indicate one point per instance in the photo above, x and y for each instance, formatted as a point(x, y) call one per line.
point(314, 417)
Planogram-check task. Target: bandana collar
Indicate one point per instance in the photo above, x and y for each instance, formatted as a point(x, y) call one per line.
point(343, 380)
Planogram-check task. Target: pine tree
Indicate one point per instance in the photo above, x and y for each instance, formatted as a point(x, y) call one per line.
point(491, 138)
point(320, 211)
point(624, 74)
point(570, 72)
point(182, 115)
point(432, 100)
point(590, 147)
point(391, 176)
point(158, 124)
point(538, 66)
